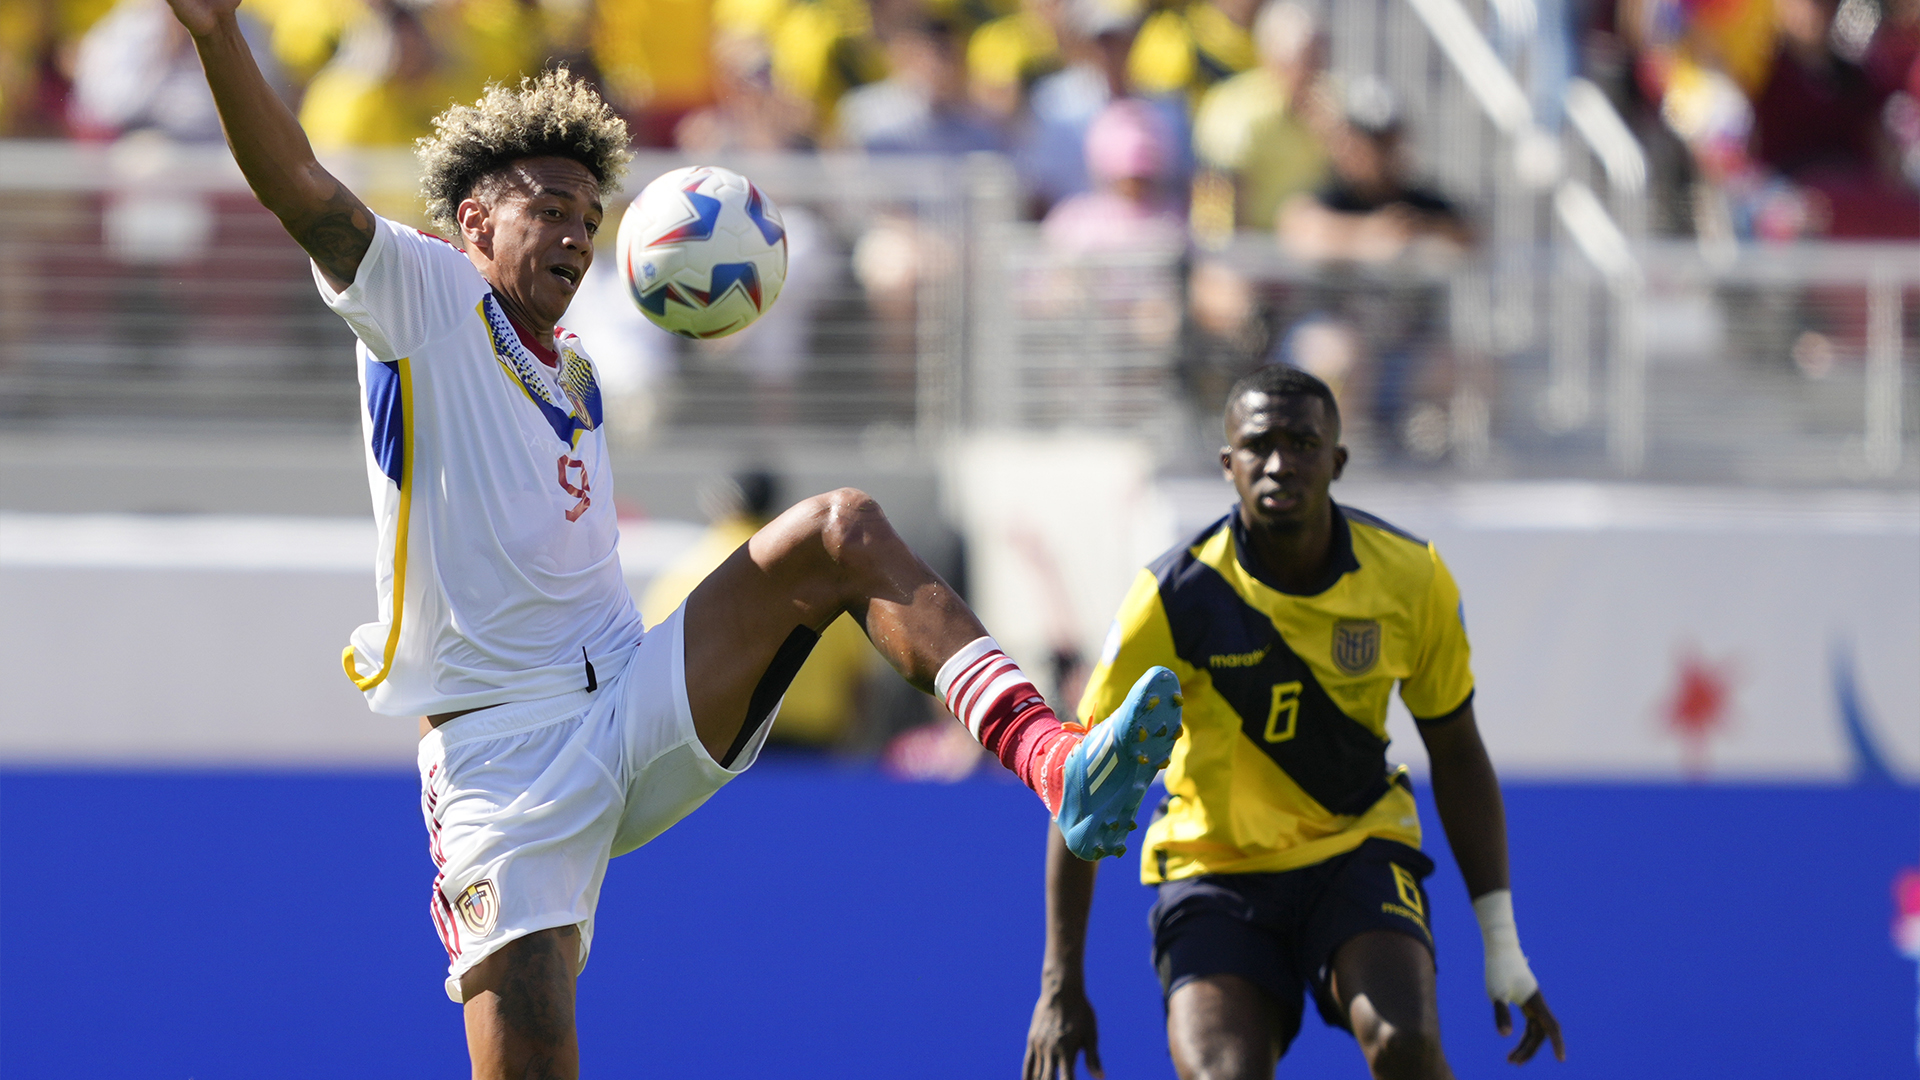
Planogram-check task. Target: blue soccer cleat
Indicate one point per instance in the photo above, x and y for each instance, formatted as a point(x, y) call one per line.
point(1107, 775)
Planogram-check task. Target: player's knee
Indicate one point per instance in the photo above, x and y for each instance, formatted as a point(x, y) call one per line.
point(850, 524)
point(1407, 1054)
point(1226, 1063)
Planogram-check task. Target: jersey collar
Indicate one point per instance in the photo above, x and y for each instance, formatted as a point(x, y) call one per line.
point(542, 351)
point(1340, 557)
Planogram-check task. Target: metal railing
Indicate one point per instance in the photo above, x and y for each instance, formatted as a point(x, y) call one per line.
point(1787, 366)
point(1576, 208)
point(143, 280)
point(148, 284)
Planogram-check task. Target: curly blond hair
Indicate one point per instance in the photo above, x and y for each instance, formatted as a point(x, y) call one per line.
point(553, 114)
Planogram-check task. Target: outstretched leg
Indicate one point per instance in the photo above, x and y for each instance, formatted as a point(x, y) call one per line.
point(750, 618)
point(832, 553)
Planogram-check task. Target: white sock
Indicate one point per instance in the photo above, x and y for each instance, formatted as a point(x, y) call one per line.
point(978, 681)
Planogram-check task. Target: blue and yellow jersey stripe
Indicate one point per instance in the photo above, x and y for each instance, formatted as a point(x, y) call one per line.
point(390, 405)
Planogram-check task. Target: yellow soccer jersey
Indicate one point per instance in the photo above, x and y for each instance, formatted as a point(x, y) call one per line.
point(1187, 47)
point(1282, 762)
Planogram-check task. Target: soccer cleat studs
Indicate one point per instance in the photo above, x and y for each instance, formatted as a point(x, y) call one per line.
point(1106, 775)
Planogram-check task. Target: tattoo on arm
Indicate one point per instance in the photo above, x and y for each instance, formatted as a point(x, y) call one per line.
point(337, 233)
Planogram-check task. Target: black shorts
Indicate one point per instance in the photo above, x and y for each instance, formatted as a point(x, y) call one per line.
point(1279, 931)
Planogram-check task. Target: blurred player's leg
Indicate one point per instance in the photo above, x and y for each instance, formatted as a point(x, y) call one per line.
point(519, 1008)
point(1222, 1027)
point(1384, 981)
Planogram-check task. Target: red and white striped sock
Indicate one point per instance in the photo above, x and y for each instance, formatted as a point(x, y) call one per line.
point(1001, 708)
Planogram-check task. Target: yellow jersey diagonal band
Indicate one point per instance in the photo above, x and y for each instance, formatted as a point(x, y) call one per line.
point(1284, 763)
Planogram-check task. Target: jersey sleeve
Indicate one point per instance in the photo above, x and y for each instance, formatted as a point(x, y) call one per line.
point(1442, 679)
point(1139, 638)
point(408, 287)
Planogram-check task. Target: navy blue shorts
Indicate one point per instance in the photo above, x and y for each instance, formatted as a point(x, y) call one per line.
point(1279, 931)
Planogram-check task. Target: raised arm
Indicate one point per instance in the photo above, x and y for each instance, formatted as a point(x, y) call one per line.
point(318, 211)
point(1063, 1023)
point(1467, 795)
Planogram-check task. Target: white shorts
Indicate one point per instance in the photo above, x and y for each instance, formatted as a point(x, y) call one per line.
point(526, 802)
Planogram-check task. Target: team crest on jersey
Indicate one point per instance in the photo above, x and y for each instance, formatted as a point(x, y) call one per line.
point(479, 907)
point(1356, 645)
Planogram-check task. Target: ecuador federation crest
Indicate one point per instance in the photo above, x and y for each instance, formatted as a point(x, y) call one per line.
point(479, 907)
point(1356, 645)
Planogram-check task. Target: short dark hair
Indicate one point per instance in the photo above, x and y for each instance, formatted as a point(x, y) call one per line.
point(553, 114)
point(1282, 380)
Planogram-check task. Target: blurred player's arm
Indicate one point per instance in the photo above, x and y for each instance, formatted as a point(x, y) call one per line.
point(326, 219)
point(1063, 1022)
point(1466, 793)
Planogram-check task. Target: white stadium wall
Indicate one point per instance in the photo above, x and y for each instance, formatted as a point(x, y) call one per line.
point(1598, 643)
point(1606, 621)
point(203, 640)
point(1055, 530)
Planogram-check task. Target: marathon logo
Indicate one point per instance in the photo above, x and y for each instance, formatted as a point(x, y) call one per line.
point(1239, 659)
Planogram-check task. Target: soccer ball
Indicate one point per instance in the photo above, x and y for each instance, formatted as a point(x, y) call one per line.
point(703, 252)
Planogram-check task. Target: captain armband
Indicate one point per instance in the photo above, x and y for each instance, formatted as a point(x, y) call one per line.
point(1509, 978)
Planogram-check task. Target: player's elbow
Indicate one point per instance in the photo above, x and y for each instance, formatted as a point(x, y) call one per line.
point(300, 193)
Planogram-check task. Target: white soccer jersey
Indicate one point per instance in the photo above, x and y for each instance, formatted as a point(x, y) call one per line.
point(498, 572)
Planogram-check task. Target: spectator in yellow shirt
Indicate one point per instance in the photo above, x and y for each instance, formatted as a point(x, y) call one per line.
point(656, 59)
point(1183, 48)
point(1260, 129)
point(37, 39)
point(820, 48)
point(398, 65)
point(1007, 55)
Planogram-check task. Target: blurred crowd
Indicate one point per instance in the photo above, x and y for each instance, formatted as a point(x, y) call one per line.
point(1207, 83)
point(1782, 118)
point(1796, 117)
point(1156, 127)
point(1134, 126)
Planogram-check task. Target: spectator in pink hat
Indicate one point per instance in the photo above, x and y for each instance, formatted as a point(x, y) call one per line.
point(1129, 156)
